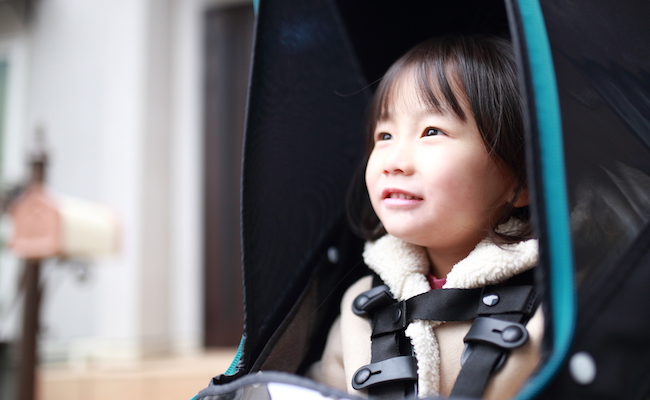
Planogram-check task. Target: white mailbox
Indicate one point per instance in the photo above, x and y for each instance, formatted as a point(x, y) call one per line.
point(45, 225)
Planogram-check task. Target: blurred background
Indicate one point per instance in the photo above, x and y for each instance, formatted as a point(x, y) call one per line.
point(141, 106)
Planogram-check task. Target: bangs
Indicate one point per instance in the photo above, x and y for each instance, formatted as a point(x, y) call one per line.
point(438, 86)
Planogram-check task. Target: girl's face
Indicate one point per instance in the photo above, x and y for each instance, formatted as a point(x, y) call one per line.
point(430, 179)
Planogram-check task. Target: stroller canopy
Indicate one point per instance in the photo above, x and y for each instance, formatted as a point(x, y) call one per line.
point(585, 74)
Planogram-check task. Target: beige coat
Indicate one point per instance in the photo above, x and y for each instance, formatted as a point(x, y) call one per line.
point(437, 345)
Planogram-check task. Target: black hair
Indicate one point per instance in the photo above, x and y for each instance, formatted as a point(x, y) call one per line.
point(479, 71)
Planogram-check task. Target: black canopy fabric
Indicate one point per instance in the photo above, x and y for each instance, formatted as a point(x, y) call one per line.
point(601, 57)
point(315, 63)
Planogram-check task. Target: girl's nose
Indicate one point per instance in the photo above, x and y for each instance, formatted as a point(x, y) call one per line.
point(399, 160)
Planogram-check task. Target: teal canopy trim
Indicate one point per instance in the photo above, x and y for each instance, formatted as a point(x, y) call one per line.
point(546, 103)
point(232, 369)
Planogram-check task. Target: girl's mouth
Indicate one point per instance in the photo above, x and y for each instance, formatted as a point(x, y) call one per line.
point(402, 196)
point(396, 197)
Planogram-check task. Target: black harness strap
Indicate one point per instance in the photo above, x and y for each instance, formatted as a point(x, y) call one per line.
point(392, 373)
point(454, 305)
point(488, 343)
point(498, 312)
point(503, 311)
point(392, 381)
point(476, 372)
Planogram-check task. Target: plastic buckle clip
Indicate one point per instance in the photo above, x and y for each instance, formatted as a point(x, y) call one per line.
point(376, 297)
point(504, 334)
point(401, 368)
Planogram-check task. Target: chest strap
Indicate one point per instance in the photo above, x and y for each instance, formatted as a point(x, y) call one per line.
point(499, 313)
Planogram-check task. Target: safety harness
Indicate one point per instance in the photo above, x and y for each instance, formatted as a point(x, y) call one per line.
point(499, 313)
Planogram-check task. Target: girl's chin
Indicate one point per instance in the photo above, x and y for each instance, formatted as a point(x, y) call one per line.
point(443, 241)
point(404, 234)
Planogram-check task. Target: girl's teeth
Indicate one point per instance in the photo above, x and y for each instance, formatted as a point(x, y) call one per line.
point(401, 196)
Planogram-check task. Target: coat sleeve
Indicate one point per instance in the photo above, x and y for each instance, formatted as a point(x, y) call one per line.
point(329, 369)
point(348, 344)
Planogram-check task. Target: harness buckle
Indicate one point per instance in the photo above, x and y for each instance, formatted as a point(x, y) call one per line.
point(379, 296)
point(403, 368)
point(504, 334)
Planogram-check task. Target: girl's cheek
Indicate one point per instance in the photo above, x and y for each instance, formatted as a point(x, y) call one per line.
point(373, 169)
point(461, 181)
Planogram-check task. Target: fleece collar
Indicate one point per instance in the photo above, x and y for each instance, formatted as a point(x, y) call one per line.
point(404, 266)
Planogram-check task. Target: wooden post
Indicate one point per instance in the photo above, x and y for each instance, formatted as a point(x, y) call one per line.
point(28, 351)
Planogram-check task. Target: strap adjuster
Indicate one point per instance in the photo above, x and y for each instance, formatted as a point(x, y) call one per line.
point(504, 334)
point(379, 296)
point(402, 368)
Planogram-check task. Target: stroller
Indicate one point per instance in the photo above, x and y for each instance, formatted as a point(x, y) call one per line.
point(585, 76)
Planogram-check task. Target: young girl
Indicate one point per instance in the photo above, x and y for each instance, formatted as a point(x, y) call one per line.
point(443, 206)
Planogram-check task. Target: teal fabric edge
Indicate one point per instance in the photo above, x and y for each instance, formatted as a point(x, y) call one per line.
point(232, 369)
point(555, 195)
point(256, 6)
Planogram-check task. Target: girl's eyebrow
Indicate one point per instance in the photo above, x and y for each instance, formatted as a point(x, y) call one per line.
point(423, 111)
point(443, 111)
point(385, 117)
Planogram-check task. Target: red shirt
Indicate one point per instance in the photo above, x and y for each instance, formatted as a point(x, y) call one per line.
point(436, 283)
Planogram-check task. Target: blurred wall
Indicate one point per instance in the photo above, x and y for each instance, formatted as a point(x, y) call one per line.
point(227, 48)
point(116, 87)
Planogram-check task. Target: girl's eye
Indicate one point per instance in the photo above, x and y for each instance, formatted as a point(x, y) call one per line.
point(384, 136)
point(432, 132)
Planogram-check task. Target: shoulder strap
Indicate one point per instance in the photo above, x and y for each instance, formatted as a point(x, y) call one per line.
point(490, 339)
point(392, 373)
point(494, 333)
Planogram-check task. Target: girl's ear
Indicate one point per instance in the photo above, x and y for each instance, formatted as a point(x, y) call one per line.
point(522, 199)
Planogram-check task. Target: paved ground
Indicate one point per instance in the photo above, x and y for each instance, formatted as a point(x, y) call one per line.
point(176, 378)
